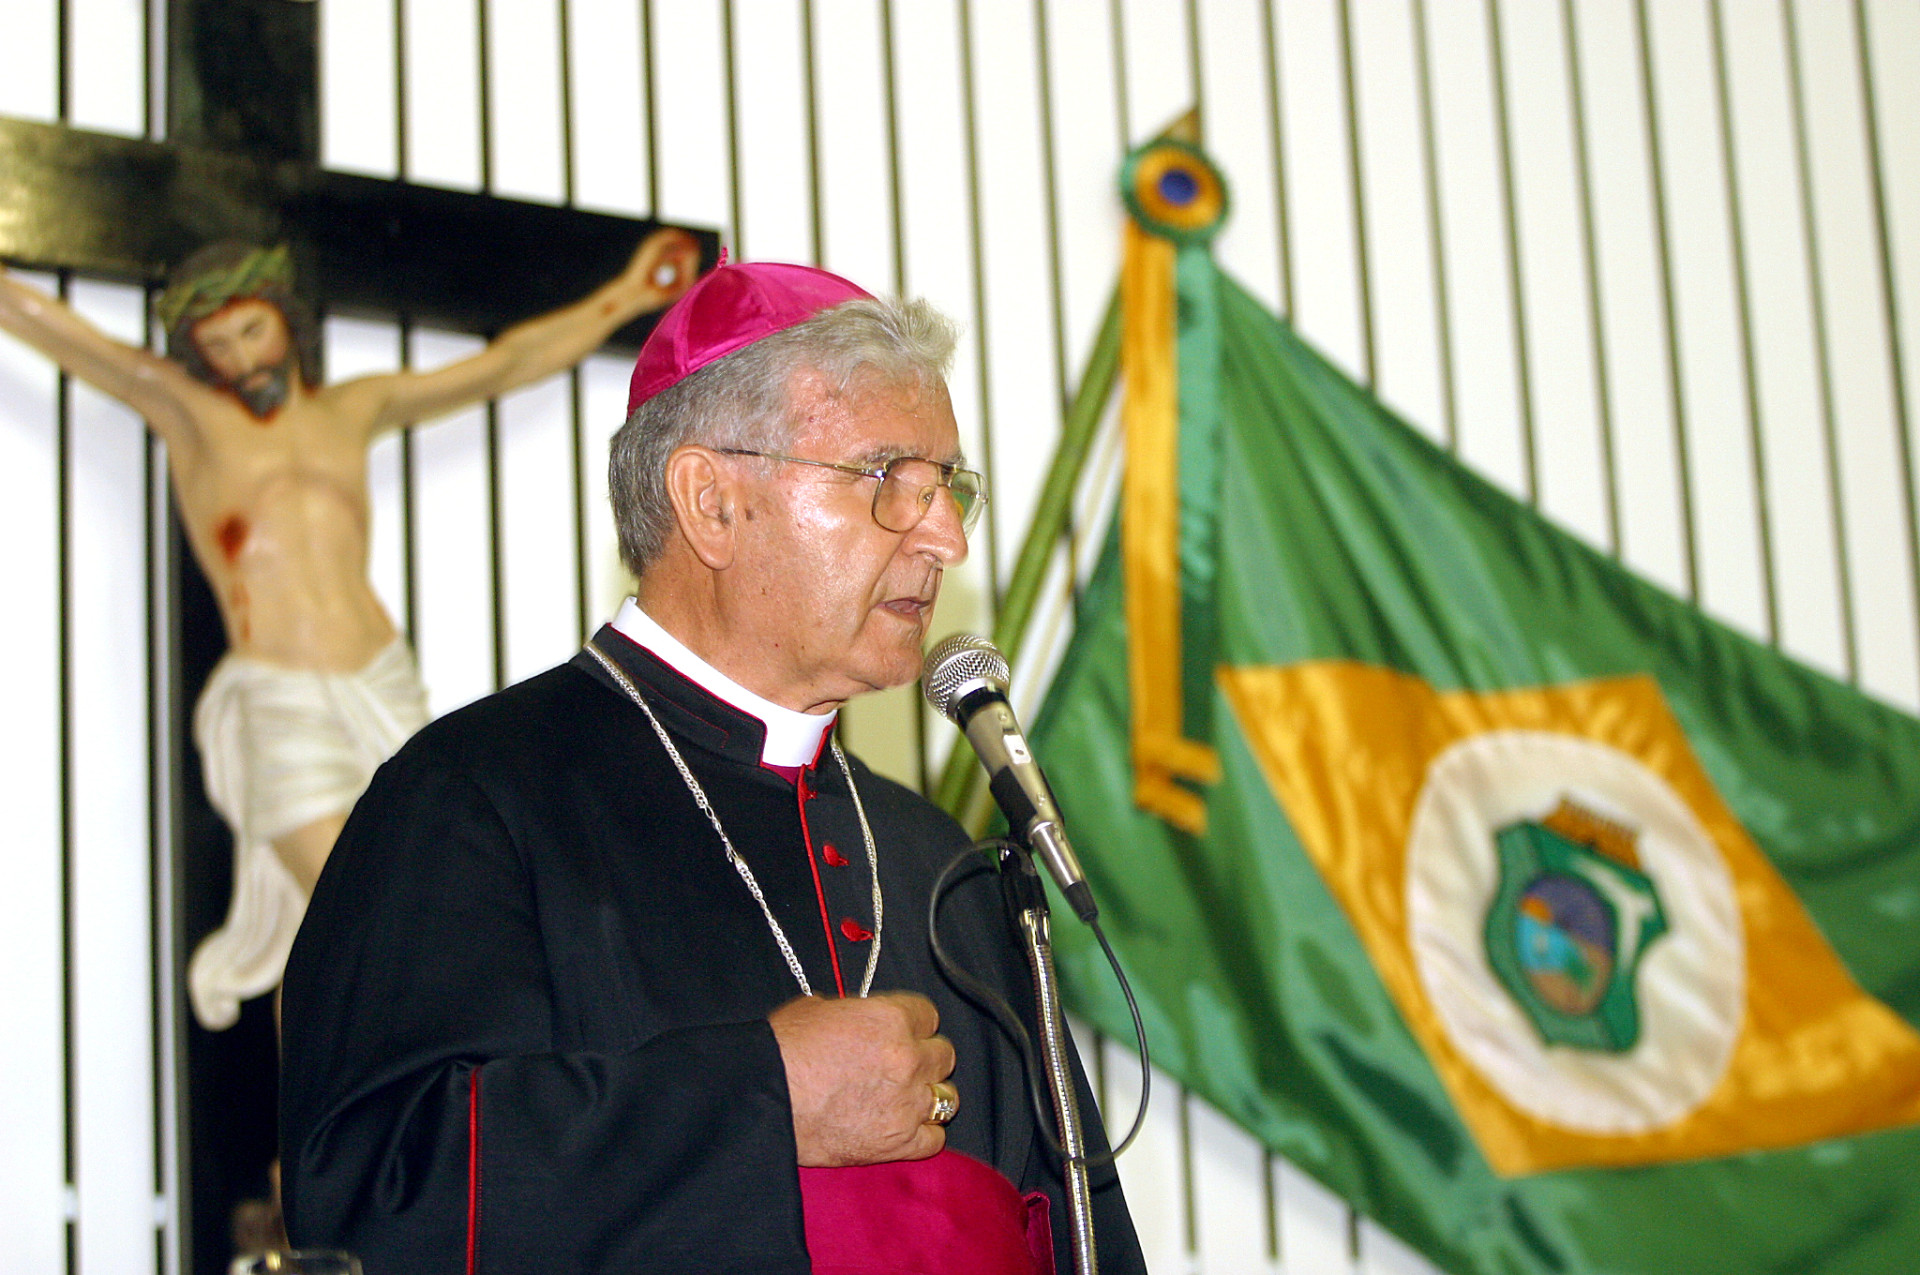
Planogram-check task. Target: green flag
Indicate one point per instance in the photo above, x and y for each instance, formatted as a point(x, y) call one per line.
point(1553, 924)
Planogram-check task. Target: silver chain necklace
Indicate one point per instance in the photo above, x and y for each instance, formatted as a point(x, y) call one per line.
point(733, 856)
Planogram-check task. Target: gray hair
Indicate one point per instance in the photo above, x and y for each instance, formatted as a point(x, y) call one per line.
point(743, 401)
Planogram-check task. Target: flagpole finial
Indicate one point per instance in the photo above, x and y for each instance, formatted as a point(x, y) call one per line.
point(1184, 128)
point(1174, 191)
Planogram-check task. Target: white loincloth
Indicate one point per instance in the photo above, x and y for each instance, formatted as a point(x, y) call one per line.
point(281, 747)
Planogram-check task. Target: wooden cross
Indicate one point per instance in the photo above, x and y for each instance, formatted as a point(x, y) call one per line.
point(242, 163)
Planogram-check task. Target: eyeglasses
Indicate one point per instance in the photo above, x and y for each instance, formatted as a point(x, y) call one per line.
point(907, 485)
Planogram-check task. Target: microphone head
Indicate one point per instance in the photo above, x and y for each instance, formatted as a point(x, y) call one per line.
point(956, 666)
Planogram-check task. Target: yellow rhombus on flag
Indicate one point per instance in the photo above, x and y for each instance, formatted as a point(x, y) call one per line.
point(1750, 1033)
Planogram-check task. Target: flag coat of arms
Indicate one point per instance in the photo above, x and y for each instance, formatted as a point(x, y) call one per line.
point(1554, 924)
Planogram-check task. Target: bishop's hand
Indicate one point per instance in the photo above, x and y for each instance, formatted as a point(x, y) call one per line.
point(860, 1076)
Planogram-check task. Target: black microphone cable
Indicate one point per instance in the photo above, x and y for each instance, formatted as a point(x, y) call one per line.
point(994, 849)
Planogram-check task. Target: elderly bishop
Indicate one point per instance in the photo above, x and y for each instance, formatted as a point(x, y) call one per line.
point(628, 967)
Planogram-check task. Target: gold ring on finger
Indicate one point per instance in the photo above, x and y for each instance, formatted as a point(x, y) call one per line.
point(946, 1102)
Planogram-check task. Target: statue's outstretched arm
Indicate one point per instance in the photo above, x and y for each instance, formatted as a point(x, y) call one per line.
point(147, 383)
point(664, 266)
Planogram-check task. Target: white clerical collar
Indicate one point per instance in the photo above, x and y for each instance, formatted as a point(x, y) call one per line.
point(793, 738)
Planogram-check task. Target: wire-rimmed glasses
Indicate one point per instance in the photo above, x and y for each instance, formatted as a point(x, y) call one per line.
point(906, 486)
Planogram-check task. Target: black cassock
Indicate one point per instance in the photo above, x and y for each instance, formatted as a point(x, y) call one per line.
point(525, 1018)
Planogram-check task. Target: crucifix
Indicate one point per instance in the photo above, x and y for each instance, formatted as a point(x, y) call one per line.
point(268, 463)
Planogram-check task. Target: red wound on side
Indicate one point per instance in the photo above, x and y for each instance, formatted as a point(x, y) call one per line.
point(232, 535)
point(855, 932)
point(833, 856)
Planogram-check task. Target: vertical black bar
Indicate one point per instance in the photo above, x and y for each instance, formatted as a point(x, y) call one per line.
point(146, 72)
point(582, 548)
point(1663, 248)
point(152, 511)
point(62, 58)
point(650, 103)
point(1277, 140)
point(409, 524)
point(1889, 300)
point(1823, 359)
point(564, 14)
point(977, 247)
point(809, 83)
point(1099, 1079)
point(482, 47)
point(890, 108)
point(1516, 280)
point(735, 200)
point(153, 514)
point(173, 730)
point(401, 158)
point(159, 763)
point(152, 55)
point(1436, 229)
point(496, 568)
point(63, 574)
point(1743, 294)
point(1270, 1194)
point(1590, 257)
point(1189, 1193)
point(1357, 196)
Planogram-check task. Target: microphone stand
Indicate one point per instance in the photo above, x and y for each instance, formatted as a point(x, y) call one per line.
point(1026, 902)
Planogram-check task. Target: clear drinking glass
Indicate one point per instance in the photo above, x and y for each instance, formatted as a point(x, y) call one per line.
point(306, 1261)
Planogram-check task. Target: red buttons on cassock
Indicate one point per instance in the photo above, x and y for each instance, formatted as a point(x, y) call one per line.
point(833, 856)
point(855, 932)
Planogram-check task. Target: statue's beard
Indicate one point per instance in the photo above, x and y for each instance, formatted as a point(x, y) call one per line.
point(263, 391)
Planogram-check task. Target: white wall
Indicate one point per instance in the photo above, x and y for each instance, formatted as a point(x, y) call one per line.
point(1655, 267)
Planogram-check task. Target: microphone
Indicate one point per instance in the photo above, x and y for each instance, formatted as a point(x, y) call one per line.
point(965, 678)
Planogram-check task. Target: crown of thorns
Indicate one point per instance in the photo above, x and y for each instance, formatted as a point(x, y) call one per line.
point(193, 299)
